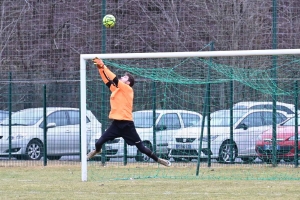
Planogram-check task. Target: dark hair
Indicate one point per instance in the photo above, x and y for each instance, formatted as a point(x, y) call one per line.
point(130, 79)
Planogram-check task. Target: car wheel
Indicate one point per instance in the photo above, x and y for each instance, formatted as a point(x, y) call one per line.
point(248, 159)
point(140, 157)
point(224, 152)
point(53, 157)
point(34, 150)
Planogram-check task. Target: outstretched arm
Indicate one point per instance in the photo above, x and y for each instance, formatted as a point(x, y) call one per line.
point(108, 77)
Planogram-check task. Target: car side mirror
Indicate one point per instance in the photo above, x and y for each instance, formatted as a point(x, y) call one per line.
point(243, 126)
point(51, 125)
point(161, 127)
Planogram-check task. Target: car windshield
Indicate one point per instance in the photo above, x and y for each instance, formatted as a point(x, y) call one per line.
point(144, 119)
point(222, 118)
point(290, 122)
point(25, 118)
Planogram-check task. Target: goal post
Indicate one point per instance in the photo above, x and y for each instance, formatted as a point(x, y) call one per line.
point(200, 54)
point(169, 55)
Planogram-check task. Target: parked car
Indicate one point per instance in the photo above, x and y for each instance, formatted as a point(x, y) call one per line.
point(285, 142)
point(247, 125)
point(63, 133)
point(253, 105)
point(166, 124)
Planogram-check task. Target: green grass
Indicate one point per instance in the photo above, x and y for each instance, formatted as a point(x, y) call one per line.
point(218, 182)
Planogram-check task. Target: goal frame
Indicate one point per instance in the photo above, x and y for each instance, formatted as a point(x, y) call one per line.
point(85, 57)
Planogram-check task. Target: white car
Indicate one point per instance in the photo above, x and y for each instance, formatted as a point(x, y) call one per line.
point(247, 126)
point(167, 124)
point(27, 133)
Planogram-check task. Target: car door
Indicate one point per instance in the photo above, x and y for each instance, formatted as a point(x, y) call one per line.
point(245, 138)
point(58, 137)
point(169, 123)
point(74, 144)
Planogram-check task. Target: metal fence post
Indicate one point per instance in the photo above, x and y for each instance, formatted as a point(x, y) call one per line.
point(45, 125)
point(9, 115)
point(154, 116)
point(296, 125)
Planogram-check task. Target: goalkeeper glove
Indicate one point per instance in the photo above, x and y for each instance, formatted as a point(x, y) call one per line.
point(99, 63)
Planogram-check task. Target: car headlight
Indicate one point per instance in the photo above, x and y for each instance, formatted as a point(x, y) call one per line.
point(212, 138)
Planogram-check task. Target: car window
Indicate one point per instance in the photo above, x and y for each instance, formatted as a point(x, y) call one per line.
point(190, 119)
point(268, 118)
point(74, 116)
point(59, 118)
point(253, 120)
point(171, 121)
point(24, 117)
point(280, 118)
point(144, 119)
point(222, 118)
point(291, 122)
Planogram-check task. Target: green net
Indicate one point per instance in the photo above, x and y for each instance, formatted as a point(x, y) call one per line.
point(258, 75)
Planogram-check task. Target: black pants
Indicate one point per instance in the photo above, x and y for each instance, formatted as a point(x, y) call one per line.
point(126, 130)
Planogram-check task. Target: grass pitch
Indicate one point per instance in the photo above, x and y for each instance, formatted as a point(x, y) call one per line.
point(223, 182)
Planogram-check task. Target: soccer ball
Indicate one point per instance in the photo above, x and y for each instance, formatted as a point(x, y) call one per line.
point(109, 21)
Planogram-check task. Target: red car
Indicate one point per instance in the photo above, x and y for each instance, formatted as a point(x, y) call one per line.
point(285, 142)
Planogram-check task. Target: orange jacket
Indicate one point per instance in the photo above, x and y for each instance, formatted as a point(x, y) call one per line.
point(121, 98)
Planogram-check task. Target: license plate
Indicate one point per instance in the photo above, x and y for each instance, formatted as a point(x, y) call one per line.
point(270, 147)
point(183, 146)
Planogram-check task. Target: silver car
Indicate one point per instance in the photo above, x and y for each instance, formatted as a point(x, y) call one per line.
point(247, 126)
point(27, 133)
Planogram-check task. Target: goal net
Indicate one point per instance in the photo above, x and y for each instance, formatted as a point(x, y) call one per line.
point(196, 82)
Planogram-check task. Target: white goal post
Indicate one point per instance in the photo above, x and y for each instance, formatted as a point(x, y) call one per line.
point(85, 57)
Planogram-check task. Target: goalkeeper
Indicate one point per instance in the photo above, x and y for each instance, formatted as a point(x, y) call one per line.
point(121, 102)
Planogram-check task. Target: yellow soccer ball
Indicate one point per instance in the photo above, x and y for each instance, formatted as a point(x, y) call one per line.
point(109, 21)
